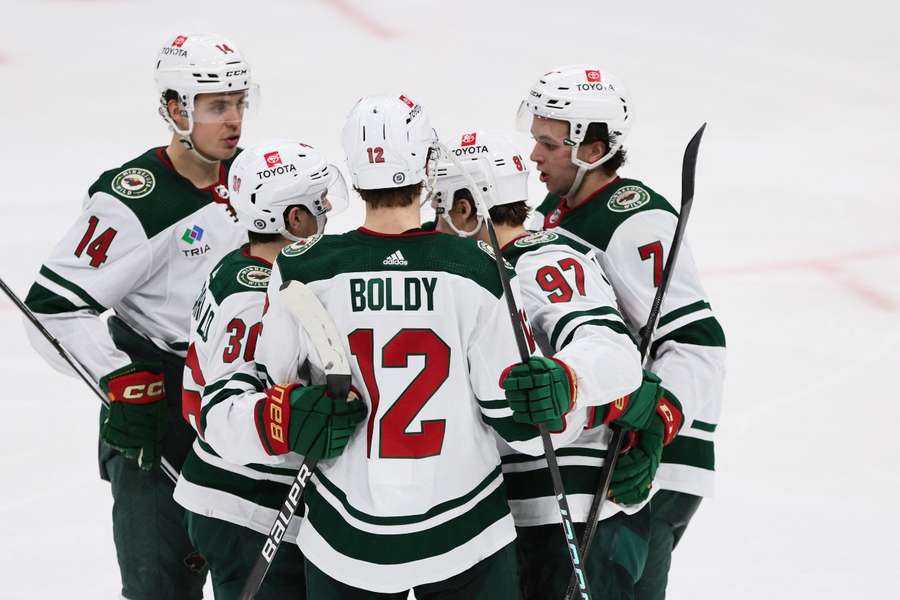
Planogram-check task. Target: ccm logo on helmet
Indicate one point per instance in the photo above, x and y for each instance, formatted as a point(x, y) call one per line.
point(142, 390)
point(236, 73)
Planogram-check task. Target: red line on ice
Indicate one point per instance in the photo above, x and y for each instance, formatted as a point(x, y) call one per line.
point(833, 268)
point(362, 20)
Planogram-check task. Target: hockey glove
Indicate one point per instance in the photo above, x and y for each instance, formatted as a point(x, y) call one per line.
point(636, 468)
point(137, 418)
point(306, 420)
point(540, 391)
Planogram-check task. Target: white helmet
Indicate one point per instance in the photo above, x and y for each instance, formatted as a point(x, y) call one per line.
point(204, 63)
point(492, 163)
point(580, 95)
point(268, 178)
point(388, 140)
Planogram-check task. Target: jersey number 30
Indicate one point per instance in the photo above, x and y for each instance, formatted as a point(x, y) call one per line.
point(393, 439)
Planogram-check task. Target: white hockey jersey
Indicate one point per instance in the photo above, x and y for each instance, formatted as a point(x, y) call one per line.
point(142, 246)
point(227, 475)
point(631, 227)
point(418, 494)
point(573, 315)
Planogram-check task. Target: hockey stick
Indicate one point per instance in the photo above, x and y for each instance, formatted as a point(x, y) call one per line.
point(324, 336)
point(170, 471)
point(688, 170)
point(578, 572)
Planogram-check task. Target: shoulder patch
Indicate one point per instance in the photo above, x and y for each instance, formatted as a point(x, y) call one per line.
point(539, 237)
point(298, 248)
point(486, 248)
point(254, 276)
point(627, 198)
point(134, 182)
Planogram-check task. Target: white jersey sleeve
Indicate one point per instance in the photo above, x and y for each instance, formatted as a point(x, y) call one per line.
point(572, 309)
point(102, 257)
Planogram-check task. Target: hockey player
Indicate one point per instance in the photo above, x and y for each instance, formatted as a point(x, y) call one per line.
point(417, 499)
point(572, 310)
point(230, 486)
point(148, 234)
point(579, 118)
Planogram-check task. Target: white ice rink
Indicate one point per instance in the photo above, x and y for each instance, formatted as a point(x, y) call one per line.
point(794, 228)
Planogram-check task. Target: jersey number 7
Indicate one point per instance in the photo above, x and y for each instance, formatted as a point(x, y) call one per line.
point(393, 440)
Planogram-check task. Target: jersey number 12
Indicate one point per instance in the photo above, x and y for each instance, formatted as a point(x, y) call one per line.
point(393, 440)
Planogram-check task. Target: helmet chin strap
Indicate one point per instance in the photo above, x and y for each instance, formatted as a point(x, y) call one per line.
point(460, 232)
point(189, 145)
point(584, 168)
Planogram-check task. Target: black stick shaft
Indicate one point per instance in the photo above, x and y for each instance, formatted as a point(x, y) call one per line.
point(579, 575)
point(688, 172)
point(170, 471)
point(338, 386)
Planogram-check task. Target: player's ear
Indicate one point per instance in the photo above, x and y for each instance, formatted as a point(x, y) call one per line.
point(173, 106)
point(591, 152)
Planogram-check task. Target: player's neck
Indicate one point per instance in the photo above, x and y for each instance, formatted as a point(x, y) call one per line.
point(395, 219)
point(593, 181)
point(505, 233)
point(268, 251)
point(199, 172)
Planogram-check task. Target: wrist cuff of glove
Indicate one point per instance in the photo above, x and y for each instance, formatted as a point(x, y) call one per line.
point(573, 384)
point(273, 419)
point(669, 410)
point(137, 383)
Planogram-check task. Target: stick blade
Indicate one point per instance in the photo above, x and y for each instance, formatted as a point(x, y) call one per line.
point(689, 165)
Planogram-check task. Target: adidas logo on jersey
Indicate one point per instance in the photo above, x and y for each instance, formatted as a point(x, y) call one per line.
point(395, 259)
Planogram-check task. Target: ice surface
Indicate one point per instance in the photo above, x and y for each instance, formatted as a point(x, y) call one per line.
point(794, 227)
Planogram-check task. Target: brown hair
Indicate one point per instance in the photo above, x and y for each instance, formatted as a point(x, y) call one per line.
point(599, 132)
point(511, 215)
point(397, 197)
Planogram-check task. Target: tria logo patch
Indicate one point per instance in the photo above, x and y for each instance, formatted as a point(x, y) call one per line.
point(406, 101)
point(593, 76)
point(194, 234)
point(395, 258)
point(179, 41)
point(272, 158)
point(468, 139)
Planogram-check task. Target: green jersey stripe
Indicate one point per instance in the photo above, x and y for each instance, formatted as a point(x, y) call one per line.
point(690, 451)
point(62, 282)
point(44, 302)
point(178, 346)
point(705, 332)
point(510, 430)
point(493, 404)
point(408, 519)
point(593, 312)
point(616, 326)
point(264, 492)
point(265, 469)
point(577, 479)
point(361, 545)
point(702, 426)
point(684, 310)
